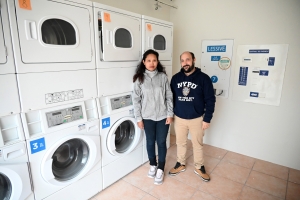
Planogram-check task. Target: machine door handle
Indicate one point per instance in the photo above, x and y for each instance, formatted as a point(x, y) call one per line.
point(30, 29)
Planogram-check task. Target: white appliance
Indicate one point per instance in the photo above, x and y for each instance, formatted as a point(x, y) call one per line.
point(118, 48)
point(64, 151)
point(15, 181)
point(9, 98)
point(158, 35)
point(121, 139)
point(54, 52)
point(14, 170)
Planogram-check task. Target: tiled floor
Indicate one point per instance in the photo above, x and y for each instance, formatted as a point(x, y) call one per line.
point(233, 176)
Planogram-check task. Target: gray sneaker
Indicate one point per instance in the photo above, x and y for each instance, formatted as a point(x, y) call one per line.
point(152, 171)
point(159, 178)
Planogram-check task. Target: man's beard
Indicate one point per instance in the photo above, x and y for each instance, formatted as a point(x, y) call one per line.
point(188, 70)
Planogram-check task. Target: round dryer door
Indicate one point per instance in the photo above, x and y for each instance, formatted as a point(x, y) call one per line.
point(69, 160)
point(5, 187)
point(11, 185)
point(123, 136)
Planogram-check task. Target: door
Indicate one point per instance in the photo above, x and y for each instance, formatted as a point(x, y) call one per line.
point(5, 186)
point(158, 37)
point(53, 32)
point(119, 36)
point(68, 160)
point(123, 137)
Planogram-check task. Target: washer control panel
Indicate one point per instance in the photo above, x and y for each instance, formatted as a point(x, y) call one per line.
point(63, 116)
point(120, 102)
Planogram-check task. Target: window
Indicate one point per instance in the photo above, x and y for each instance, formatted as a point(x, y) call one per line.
point(58, 32)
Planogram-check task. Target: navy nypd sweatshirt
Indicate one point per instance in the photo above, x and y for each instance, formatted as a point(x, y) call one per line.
point(193, 95)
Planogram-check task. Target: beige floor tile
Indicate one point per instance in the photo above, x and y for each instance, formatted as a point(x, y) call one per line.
point(271, 169)
point(249, 193)
point(221, 188)
point(172, 189)
point(203, 196)
point(293, 191)
point(239, 159)
point(120, 190)
point(170, 163)
point(294, 176)
point(214, 151)
point(189, 177)
point(172, 152)
point(149, 197)
point(140, 179)
point(232, 171)
point(209, 162)
point(267, 183)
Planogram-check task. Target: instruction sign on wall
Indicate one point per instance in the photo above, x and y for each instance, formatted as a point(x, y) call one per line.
point(216, 63)
point(259, 73)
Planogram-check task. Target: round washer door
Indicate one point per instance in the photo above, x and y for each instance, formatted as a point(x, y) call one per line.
point(69, 160)
point(123, 136)
point(10, 180)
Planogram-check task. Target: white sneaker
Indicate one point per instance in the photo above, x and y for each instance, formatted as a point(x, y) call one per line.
point(152, 171)
point(159, 177)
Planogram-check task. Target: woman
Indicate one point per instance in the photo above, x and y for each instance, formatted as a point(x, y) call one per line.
point(153, 109)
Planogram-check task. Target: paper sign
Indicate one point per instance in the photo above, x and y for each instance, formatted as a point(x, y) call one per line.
point(106, 122)
point(107, 17)
point(149, 27)
point(25, 4)
point(37, 145)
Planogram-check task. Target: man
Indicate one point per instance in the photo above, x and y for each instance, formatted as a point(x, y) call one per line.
point(194, 104)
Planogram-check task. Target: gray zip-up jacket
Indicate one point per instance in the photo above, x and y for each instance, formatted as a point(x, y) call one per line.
point(153, 99)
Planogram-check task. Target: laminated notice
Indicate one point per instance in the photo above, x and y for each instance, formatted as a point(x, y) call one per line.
point(25, 4)
point(107, 17)
point(149, 27)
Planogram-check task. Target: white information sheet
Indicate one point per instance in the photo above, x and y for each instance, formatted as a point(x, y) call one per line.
point(216, 62)
point(259, 73)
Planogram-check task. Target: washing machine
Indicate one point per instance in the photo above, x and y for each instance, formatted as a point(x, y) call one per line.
point(121, 139)
point(158, 35)
point(9, 98)
point(118, 48)
point(15, 180)
point(54, 51)
point(64, 151)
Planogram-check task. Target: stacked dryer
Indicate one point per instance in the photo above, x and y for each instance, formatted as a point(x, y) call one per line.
point(158, 35)
point(15, 180)
point(53, 44)
point(118, 52)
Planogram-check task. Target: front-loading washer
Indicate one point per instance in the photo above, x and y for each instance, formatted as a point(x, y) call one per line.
point(15, 183)
point(9, 98)
point(118, 48)
point(53, 45)
point(121, 139)
point(64, 151)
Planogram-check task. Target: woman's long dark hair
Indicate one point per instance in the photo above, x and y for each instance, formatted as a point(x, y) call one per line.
point(139, 72)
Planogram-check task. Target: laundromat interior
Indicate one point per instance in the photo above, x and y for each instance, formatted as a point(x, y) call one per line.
point(66, 71)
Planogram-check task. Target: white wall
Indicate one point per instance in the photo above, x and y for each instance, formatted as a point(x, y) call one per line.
point(271, 133)
point(143, 7)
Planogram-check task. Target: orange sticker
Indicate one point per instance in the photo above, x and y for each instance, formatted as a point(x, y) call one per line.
point(106, 17)
point(25, 4)
point(149, 27)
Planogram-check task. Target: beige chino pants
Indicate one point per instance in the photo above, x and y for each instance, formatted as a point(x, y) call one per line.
point(194, 127)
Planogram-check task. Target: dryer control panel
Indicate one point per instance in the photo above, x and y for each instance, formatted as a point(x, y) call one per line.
point(63, 116)
point(120, 102)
